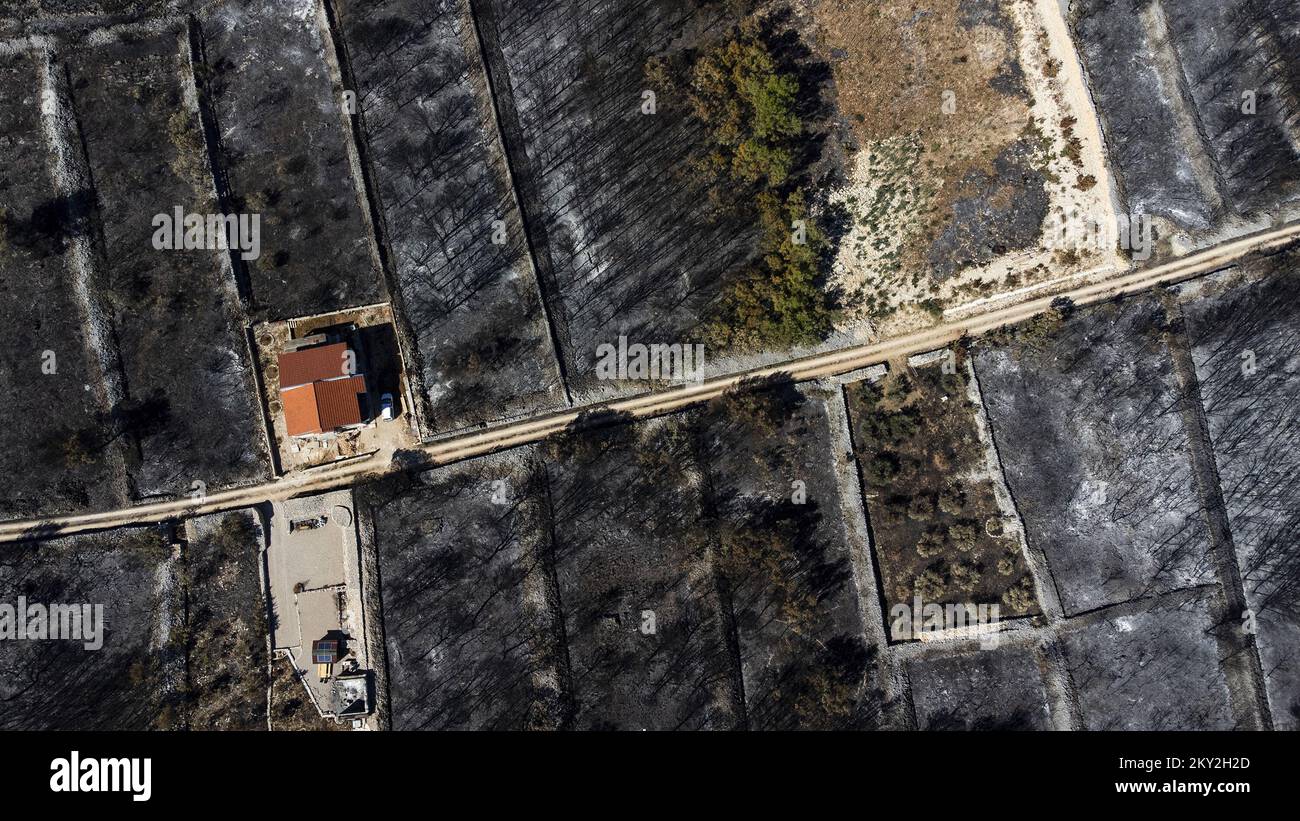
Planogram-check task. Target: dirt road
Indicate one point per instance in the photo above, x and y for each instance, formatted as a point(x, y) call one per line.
point(502, 437)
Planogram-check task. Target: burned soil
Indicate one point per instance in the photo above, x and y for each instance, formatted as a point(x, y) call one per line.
point(1086, 414)
point(130, 682)
point(1244, 337)
point(784, 562)
point(1156, 669)
point(283, 151)
point(468, 292)
point(51, 382)
point(997, 689)
point(186, 402)
point(625, 241)
point(1198, 101)
point(467, 615)
point(225, 623)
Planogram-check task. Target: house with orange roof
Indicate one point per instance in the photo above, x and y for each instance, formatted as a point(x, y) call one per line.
point(320, 390)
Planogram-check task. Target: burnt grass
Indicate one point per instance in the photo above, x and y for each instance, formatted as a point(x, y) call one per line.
point(936, 524)
point(1247, 357)
point(461, 560)
point(1154, 670)
point(624, 239)
point(1227, 49)
point(1087, 418)
point(127, 684)
point(284, 156)
point(225, 635)
point(39, 314)
point(617, 583)
point(468, 294)
point(783, 560)
point(1149, 90)
point(620, 561)
point(184, 634)
point(994, 690)
point(187, 403)
point(1140, 115)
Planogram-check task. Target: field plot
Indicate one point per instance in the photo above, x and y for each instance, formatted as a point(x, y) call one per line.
point(188, 399)
point(642, 617)
point(1134, 76)
point(283, 141)
point(1086, 415)
point(938, 528)
point(57, 468)
point(1246, 345)
point(471, 635)
point(468, 290)
point(225, 623)
point(1152, 670)
point(783, 560)
point(970, 128)
point(1241, 62)
point(627, 244)
point(997, 689)
point(126, 684)
point(1198, 99)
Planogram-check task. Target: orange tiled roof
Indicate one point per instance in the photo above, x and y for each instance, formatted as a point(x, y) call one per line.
point(323, 406)
point(313, 364)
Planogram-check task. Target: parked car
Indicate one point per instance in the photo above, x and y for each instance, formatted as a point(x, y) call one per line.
point(386, 407)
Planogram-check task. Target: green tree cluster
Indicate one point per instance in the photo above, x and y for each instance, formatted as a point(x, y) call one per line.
point(750, 108)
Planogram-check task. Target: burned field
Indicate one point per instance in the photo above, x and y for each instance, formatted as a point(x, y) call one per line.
point(49, 361)
point(997, 689)
point(1087, 417)
point(670, 574)
point(468, 616)
point(625, 239)
point(467, 288)
point(128, 683)
point(1243, 336)
point(183, 393)
point(268, 68)
point(1220, 80)
point(784, 562)
point(643, 625)
point(938, 528)
point(1154, 669)
point(224, 640)
point(184, 630)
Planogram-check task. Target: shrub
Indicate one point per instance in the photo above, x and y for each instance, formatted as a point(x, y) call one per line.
point(962, 537)
point(930, 545)
point(929, 586)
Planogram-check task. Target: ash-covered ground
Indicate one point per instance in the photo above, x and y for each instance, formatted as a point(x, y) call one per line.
point(1246, 347)
point(682, 573)
point(625, 243)
point(996, 689)
point(128, 683)
point(1088, 425)
point(283, 154)
point(49, 363)
point(184, 383)
point(468, 615)
point(468, 291)
point(1198, 101)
